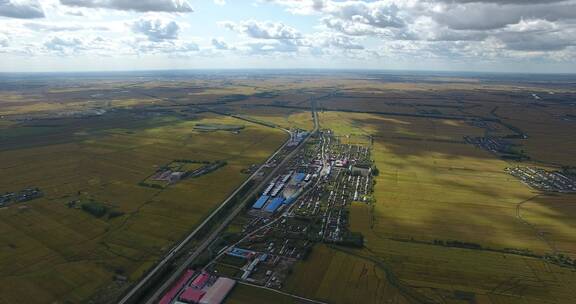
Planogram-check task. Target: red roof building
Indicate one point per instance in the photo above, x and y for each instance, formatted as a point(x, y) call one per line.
point(169, 296)
point(201, 280)
point(192, 295)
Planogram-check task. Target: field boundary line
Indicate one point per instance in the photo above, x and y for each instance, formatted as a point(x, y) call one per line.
point(284, 293)
point(170, 254)
point(539, 233)
point(405, 290)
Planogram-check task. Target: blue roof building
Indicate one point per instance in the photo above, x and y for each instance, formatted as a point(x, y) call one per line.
point(260, 202)
point(274, 204)
point(289, 200)
point(240, 253)
point(299, 177)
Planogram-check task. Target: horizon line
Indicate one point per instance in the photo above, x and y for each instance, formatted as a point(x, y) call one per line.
point(284, 70)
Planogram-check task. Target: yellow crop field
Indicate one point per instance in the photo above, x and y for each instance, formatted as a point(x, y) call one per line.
point(433, 187)
point(286, 118)
point(445, 223)
point(53, 251)
point(340, 277)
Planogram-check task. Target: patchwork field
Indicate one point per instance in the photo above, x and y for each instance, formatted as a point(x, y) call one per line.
point(336, 276)
point(447, 225)
point(244, 294)
point(285, 118)
point(433, 189)
point(552, 138)
point(53, 246)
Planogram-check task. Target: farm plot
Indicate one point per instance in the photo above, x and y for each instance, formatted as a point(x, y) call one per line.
point(339, 277)
point(284, 117)
point(450, 223)
point(66, 254)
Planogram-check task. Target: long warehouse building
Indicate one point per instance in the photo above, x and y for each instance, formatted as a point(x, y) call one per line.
point(270, 186)
point(274, 204)
point(260, 202)
point(171, 294)
point(277, 189)
point(218, 292)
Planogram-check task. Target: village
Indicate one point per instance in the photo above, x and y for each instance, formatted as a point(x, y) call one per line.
point(544, 180)
point(304, 204)
point(23, 195)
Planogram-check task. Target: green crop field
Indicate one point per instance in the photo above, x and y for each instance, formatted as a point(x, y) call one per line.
point(343, 277)
point(245, 294)
point(446, 223)
point(53, 252)
point(432, 187)
point(286, 118)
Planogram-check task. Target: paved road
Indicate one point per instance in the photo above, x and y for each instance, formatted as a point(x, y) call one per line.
point(204, 245)
point(134, 290)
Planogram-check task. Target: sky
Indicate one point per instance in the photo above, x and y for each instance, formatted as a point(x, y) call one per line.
point(532, 36)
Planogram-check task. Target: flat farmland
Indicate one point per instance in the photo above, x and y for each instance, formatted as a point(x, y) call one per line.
point(337, 276)
point(432, 187)
point(65, 254)
point(552, 137)
point(286, 118)
point(445, 223)
point(246, 294)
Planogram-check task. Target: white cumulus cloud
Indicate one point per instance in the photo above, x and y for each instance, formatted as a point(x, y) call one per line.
point(263, 30)
point(172, 6)
point(157, 29)
point(21, 9)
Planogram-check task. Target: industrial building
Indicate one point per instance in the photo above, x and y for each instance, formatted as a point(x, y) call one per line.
point(277, 189)
point(286, 177)
point(249, 268)
point(274, 205)
point(171, 294)
point(218, 292)
point(240, 253)
point(200, 290)
point(201, 280)
point(260, 202)
point(192, 295)
point(270, 186)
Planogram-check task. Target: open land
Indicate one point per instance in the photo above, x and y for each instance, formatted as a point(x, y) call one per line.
point(52, 246)
point(431, 193)
point(443, 221)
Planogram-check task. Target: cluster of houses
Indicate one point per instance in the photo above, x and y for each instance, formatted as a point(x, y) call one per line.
point(543, 180)
point(20, 196)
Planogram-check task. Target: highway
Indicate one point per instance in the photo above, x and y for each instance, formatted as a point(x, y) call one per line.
point(134, 291)
point(284, 214)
